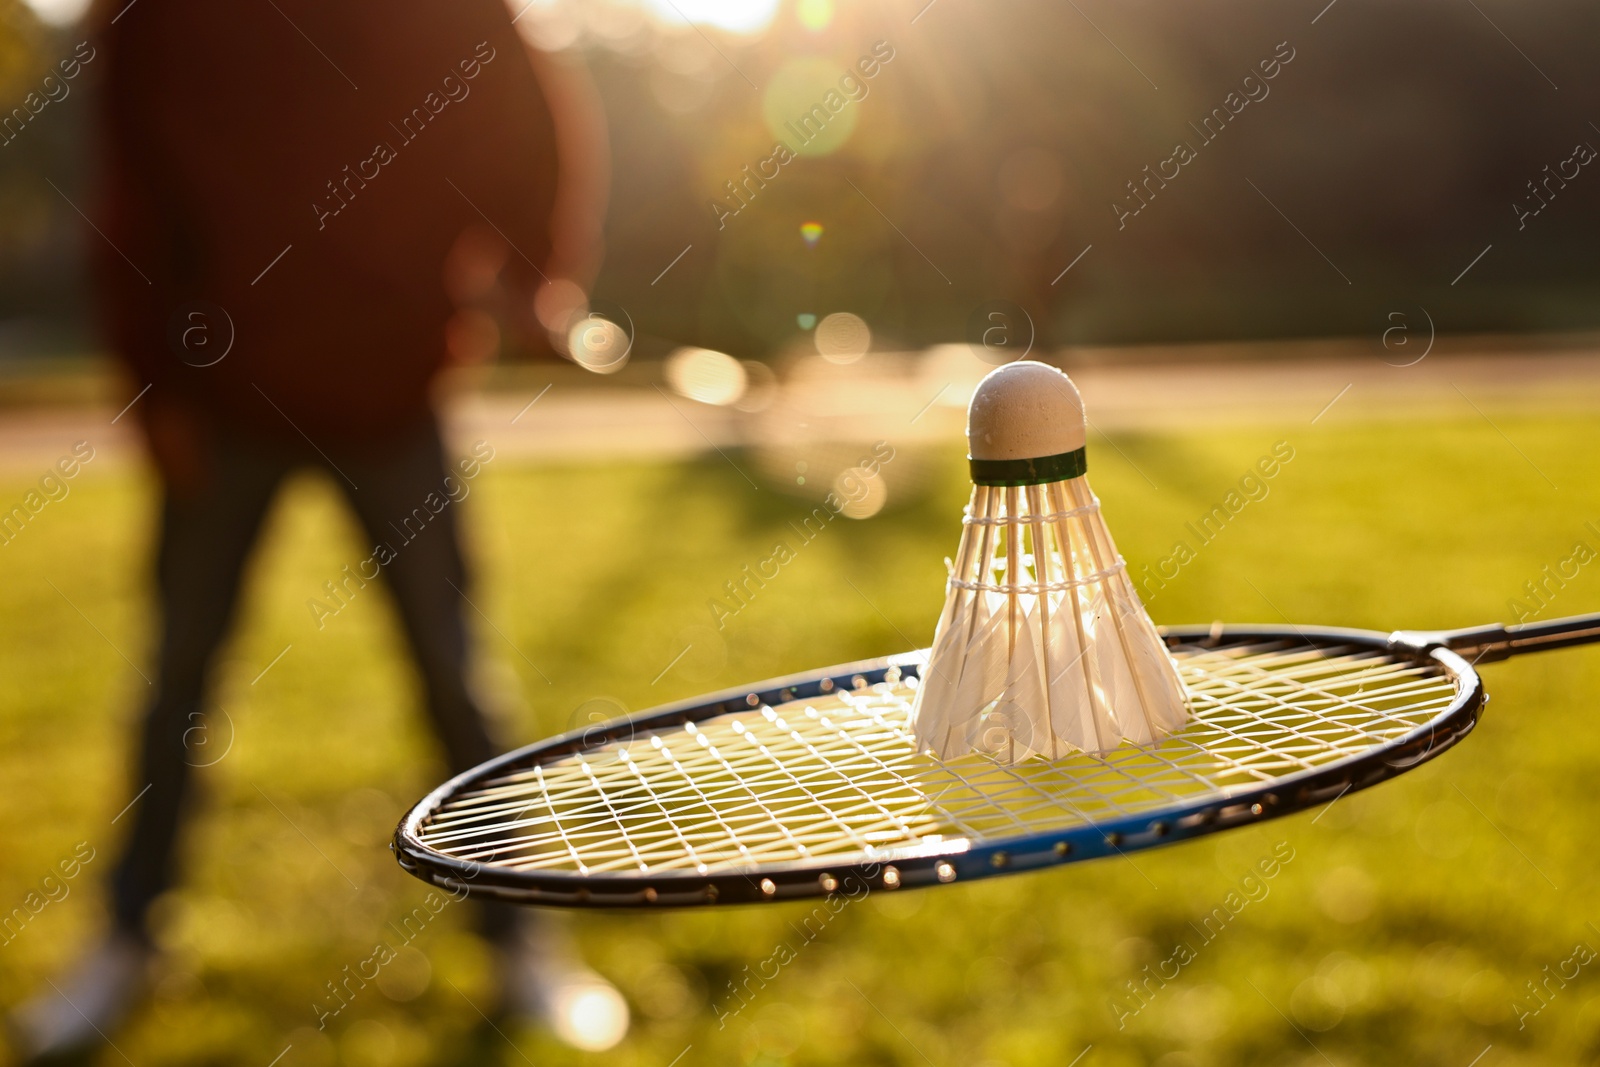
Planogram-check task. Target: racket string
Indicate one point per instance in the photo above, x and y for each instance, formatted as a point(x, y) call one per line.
point(838, 776)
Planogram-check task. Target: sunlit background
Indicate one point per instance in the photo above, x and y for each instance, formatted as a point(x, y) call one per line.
point(1369, 261)
point(990, 152)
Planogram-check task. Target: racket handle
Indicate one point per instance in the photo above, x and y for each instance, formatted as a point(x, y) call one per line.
point(1485, 644)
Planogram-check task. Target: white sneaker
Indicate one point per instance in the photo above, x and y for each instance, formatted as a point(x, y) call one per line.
point(82, 1007)
point(546, 981)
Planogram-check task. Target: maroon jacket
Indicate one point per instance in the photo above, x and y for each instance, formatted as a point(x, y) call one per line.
point(306, 166)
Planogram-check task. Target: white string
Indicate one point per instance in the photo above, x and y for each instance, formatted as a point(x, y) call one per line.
point(1093, 578)
point(1024, 518)
point(838, 776)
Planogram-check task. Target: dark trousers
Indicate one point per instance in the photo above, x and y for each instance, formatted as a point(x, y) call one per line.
point(205, 542)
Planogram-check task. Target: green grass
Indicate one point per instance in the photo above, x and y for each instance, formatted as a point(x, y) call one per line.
point(1405, 924)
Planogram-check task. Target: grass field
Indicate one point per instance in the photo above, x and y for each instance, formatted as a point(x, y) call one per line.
point(1404, 927)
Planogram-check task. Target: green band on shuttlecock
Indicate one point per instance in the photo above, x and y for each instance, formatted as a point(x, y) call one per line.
point(1058, 468)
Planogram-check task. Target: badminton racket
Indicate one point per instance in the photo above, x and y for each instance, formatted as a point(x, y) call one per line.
point(810, 785)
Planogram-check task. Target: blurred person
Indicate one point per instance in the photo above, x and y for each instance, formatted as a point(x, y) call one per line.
point(307, 206)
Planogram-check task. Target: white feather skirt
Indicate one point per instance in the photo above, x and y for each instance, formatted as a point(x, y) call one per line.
point(1043, 647)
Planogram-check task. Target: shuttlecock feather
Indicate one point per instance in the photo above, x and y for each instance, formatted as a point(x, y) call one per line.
point(1043, 647)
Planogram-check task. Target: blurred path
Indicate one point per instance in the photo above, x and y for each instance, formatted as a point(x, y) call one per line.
point(908, 398)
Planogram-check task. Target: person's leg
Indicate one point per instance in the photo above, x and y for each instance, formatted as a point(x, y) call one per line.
point(405, 503)
point(205, 539)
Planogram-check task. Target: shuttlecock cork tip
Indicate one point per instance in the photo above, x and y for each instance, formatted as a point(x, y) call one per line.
point(1022, 411)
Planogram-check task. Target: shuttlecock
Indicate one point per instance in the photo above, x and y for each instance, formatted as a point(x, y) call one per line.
point(1043, 646)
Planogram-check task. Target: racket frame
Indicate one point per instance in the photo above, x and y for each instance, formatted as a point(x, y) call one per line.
point(913, 866)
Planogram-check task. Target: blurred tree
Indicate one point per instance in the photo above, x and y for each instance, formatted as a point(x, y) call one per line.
point(989, 152)
point(42, 277)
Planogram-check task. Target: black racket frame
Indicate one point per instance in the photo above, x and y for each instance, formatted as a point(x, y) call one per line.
point(912, 866)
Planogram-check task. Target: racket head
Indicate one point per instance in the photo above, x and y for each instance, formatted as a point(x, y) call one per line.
point(611, 816)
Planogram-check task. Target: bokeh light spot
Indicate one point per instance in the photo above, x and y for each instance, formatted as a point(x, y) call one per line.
point(599, 344)
point(806, 320)
point(815, 15)
point(863, 492)
point(843, 337)
point(590, 1017)
point(707, 376)
point(760, 387)
point(806, 108)
point(811, 233)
